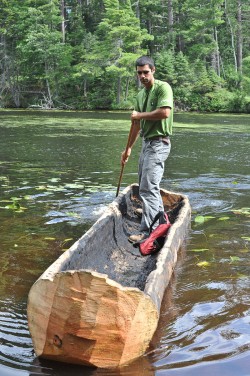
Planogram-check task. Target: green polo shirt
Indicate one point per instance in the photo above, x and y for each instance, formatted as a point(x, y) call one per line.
point(159, 95)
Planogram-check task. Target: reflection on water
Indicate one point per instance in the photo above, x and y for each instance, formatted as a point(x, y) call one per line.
point(58, 172)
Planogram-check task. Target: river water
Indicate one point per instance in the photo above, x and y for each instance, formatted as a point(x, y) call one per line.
point(59, 171)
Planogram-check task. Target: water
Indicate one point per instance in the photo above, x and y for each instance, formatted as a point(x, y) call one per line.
point(59, 170)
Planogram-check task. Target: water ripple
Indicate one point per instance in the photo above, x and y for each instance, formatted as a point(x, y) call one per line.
point(16, 346)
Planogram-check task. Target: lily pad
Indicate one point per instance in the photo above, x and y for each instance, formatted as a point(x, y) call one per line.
point(53, 188)
point(199, 219)
point(14, 205)
point(41, 188)
point(242, 211)
point(73, 214)
point(199, 250)
point(234, 258)
point(66, 241)
point(75, 186)
point(27, 197)
point(203, 264)
point(244, 250)
point(242, 276)
point(54, 180)
point(203, 218)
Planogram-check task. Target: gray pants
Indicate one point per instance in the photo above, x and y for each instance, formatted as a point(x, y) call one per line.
point(151, 168)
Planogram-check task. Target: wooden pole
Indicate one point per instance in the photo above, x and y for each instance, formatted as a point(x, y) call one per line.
point(126, 150)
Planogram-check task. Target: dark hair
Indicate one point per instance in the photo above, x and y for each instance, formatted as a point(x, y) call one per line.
point(145, 60)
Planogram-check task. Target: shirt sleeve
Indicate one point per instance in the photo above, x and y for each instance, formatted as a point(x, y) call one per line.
point(165, 96)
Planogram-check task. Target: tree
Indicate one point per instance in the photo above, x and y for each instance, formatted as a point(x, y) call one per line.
point(239, 36)
point(65, 52)
point(165, 62)
point(9, 66)
point(120, 38)
point(42, 51)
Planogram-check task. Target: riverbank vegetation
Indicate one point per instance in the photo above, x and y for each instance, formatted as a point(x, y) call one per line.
point(80, 54)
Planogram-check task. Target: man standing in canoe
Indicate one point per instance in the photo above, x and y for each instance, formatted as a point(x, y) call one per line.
point(152, 118)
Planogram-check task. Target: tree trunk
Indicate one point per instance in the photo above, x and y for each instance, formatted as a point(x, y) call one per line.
point(239, 37)
point(2, 67)
point(180, 42)
point(137, 9)
point(85, 88)
point(63, 20)
point(9, 73)
point(171, 21)
point(232, 36)
point(216, 54)
point(49, 102)
point(127, 88)
point(118, 96)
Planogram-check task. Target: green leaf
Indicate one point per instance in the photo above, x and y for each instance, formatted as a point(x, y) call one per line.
point(54, 180)
point(202, 218)
point(244, 250)
point(234, 258)
point(41, 188)
point(27, 197)
point(242, 211)
point(66, 241)
point(73, 214)
point(199, 219)
point(245, 238)
point(14, 206)
point(53, 188)
point(239, 275)
point(74, 186)
point(199, 250)
point(203, 264)
point(223, 218)
point(208, 217)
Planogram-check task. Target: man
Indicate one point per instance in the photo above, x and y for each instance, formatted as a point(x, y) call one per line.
point(152, 119)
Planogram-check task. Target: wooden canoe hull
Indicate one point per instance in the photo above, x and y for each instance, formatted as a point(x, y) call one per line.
point(92, 320)
point(83, 316)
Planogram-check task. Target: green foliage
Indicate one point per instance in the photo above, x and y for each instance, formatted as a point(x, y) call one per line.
point(203, 84)
point(65, 57)
point(246, 75)
point(165, 62)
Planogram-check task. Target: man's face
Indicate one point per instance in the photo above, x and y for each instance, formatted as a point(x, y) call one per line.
point(146, 75)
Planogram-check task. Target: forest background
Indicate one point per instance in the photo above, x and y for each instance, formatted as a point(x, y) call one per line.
point(80, 54)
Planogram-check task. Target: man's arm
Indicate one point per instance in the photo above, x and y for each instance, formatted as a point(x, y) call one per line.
point(158, 114)
point(133, 135)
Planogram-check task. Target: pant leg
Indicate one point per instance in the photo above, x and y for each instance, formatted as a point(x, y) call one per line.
point(151, 169)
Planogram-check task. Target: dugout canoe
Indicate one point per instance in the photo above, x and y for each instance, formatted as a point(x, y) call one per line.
point(98, 304)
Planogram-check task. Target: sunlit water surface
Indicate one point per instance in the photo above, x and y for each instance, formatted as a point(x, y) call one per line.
point(59, 171)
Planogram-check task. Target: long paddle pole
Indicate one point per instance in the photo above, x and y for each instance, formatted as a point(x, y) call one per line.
point(123, 165)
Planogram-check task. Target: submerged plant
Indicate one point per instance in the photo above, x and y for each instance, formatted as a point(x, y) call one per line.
point(242, 211)
point(14, 205)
